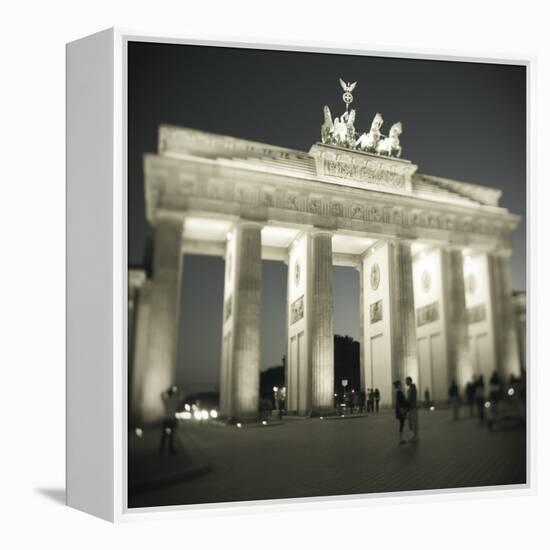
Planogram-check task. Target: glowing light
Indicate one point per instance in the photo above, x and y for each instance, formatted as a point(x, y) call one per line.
point(186, 415)
point(432, 408)
point(467, 259)
point(487, 404)
point(511, 392)
point(187, 407)
point(197, 415)
point(275, 388)
point(342, 415)
point(239, 425)
point(139, 432)
point(204, 415)
point(193, 407)
point(213, 413)
point(229, 235)
point(264, 422)
point(335, 395)
point(168, 430)
point(296, 242)
point(321, 418)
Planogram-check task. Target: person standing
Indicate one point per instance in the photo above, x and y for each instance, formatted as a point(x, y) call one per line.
point(480, 398)
point(362, 401)
point(427, 398)
point(495, 392)
point(470, 395)
point(354, 402)
point(454, 398)
point(377, 398)
point(401, 407)
point(371, 400)
point(412, 408)
point(280, 405)
point(170, 400)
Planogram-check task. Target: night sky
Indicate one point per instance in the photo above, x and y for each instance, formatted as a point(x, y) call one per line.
point(464, 121)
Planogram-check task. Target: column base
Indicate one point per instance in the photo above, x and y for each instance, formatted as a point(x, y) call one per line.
point(243, 418)
point(322, 411)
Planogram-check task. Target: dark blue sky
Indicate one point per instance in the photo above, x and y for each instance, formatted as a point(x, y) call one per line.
point(465, 121)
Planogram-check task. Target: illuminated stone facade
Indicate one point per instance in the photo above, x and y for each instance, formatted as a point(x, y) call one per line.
point(432, 253)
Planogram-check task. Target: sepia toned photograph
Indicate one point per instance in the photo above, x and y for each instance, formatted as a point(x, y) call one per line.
point(326, 275)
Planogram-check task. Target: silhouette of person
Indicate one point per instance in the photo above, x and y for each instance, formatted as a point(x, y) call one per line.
point(495, 391)
point(377, 398)
point(412, 406)
point(354, 401)
point(281, 406)
point(426, 398)
point(170, 400)
point(362, 401)
point(371, 400)
point(470, 395)
point(401, 408)
point(454, 398)
point(480, 398)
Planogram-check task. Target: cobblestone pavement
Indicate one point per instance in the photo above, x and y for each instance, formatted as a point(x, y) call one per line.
point(314, 457)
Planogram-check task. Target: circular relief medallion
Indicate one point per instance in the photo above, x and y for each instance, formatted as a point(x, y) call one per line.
point(374, 276)
point(470, 283)
point(426, 280)
point(297, 270)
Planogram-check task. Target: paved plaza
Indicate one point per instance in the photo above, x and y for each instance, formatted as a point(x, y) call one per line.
point(314, 457)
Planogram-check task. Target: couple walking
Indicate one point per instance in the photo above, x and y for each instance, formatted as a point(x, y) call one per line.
point(406, 406)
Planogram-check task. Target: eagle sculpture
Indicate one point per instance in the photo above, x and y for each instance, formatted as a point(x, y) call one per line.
point(347, 86)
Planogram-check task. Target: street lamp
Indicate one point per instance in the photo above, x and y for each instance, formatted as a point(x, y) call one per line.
point(275, 400)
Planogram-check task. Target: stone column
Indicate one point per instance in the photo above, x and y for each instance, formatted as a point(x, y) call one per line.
point(403, 326)
point(506, 341)
point(164, 314)
point(241, 370)
point(459, 363)
point(361, 327)
point(141, 351)
point(322, 336)
point(520, 312)
point(136, 282)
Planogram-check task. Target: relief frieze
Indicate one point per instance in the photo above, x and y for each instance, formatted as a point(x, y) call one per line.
point(297, 310)
point(369, 173)
point(164, 192)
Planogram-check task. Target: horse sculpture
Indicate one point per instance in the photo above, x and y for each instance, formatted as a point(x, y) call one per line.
point(369, 142)
point(390, 145)
point(327, 127)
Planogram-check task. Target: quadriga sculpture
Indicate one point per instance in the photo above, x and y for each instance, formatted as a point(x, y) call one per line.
point(369, 142)
point(390, 145)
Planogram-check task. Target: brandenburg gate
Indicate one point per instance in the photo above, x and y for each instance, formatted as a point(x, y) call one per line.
point(433, 257)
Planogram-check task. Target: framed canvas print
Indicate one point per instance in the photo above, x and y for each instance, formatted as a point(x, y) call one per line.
point(295, 274)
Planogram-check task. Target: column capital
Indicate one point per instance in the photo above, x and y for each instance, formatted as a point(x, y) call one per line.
point(453, 247)
point(505, 253)
point(245, 222)
point(168, 216)
point(319, 231)
point(136, 278)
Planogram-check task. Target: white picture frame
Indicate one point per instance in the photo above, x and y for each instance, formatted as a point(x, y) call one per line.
point(97, 274)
